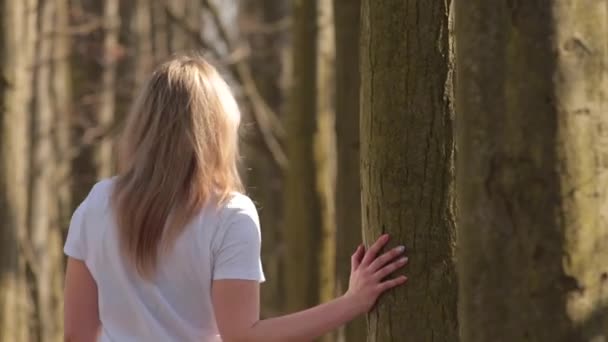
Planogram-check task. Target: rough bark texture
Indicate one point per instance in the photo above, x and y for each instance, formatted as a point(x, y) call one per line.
point(14, 93)
point(532, 180)
point(406, 162)
point(303, 223)
point(260, 23)
point(348, 184)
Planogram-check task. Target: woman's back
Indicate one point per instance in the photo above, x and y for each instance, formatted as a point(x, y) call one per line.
point(175, 303)
point(169, 250)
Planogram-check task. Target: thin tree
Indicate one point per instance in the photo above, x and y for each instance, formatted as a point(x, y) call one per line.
point(303, 221)
point(262, 24)
point(407, 154)
point(325, 146)
point(532, 181)
point(110, 18)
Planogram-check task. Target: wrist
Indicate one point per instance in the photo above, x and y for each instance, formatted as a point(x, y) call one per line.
point(352, 304)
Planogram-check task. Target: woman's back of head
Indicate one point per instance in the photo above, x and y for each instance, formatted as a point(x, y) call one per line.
point(178, 150)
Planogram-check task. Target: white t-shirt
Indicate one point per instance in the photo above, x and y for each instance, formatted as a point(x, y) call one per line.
point(219, 243)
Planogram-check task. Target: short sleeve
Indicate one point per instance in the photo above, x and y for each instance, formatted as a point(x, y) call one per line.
point(74, 244)
point(237, 249)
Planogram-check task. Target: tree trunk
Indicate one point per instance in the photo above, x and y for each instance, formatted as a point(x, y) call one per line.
point(47, 131)
point(407, 154)
point(35, 196)
point(160, 30)
point(532, 178)
point(260, 25)
point(104, 154)
point(190, 13)
point(141, 33)
point(348, 185)
point(16, 31)
point(303, 222)
point(325, 150)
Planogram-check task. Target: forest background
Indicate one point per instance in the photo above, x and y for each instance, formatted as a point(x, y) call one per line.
point(474, 132)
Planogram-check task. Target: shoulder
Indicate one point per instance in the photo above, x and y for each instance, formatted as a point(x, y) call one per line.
point(239, 212)
point(238, 202)
point(98, 197)
point(100, 192)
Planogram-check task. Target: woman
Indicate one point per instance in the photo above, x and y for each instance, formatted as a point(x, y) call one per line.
point(169, 249)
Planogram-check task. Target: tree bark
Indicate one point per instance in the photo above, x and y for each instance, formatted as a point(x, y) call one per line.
point(347, 15)
point(303, 222)
point(407, 154)
point(532, 165)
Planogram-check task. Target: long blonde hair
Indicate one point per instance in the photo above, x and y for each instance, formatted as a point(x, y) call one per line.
point(178, 150)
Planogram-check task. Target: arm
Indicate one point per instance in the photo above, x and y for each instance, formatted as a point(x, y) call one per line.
point(81, 317)
point(236, 302)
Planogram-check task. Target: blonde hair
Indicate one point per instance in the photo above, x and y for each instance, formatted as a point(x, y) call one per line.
point(178, 150)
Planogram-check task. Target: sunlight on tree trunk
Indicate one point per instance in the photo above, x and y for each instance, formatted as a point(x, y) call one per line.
point(325, 150)
point(532, 170)
point(16, 31)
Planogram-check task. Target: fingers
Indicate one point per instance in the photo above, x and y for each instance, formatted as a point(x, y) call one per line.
point(390, 268)
point(389, 284)
point(385, 258)
point(355, 259)
point(374, 249)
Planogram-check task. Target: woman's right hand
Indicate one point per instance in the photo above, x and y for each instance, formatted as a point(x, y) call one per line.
point(368, 273)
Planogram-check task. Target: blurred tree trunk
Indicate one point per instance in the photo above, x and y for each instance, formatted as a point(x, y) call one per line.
point(34, 142)
point(325, 149)
point(17, 31)
point(160, 32)
point(104, 153)
point(142, 43)
point(532, 177)
point(262, 25)
point(348, 185)
point(48, 134)
point(96, 88)
point(407, 154)
point(191, 13)
point(303, 216)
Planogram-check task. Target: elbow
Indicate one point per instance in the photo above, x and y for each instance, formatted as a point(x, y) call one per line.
point(78, 335)
point(245, 335)
point(237, 338)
